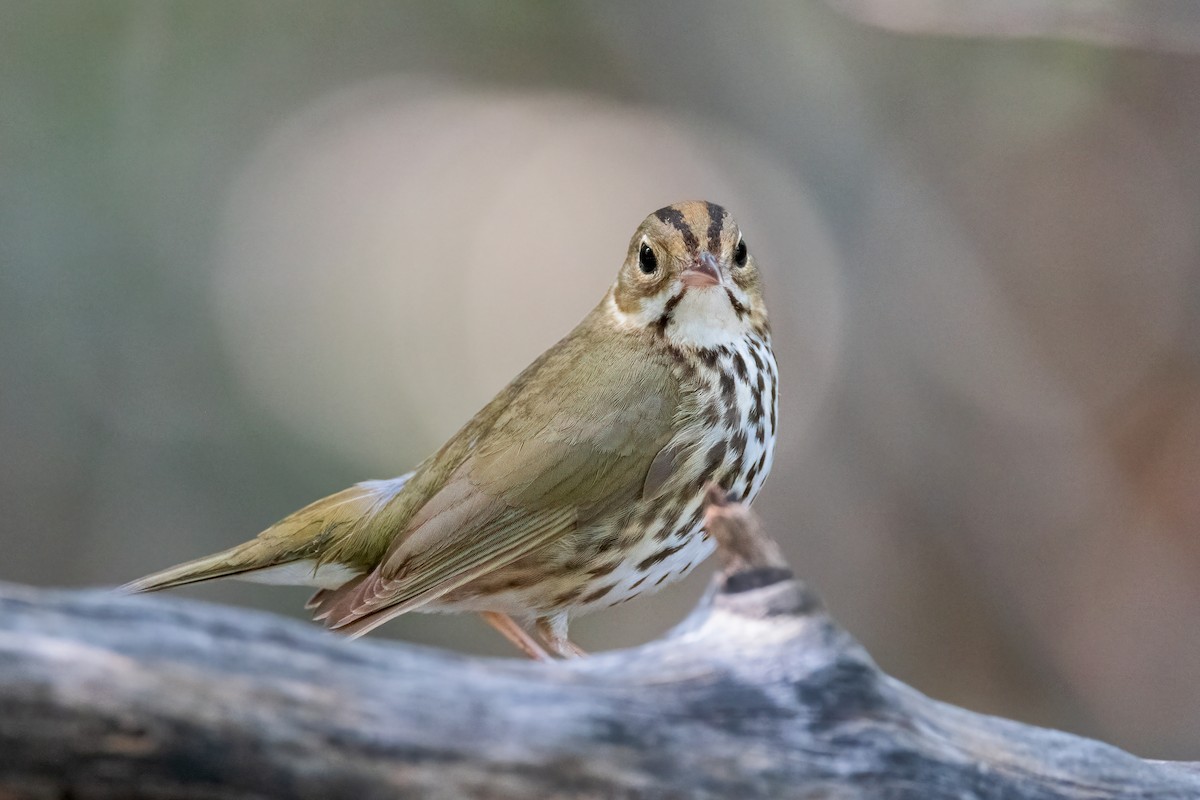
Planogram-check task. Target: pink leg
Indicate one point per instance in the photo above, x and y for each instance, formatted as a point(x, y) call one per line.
point(515, 634)
point(553, 632)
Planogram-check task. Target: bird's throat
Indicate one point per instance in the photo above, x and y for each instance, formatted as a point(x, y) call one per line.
point(707, 317)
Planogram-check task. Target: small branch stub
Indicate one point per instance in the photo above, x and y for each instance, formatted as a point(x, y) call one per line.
point(750, 560)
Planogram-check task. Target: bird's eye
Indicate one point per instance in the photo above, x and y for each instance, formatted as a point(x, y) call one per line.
point(739, 253)
point(647, 261)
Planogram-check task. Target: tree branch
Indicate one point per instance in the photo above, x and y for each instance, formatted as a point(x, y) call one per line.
point(1169, 25)
point(759, 694)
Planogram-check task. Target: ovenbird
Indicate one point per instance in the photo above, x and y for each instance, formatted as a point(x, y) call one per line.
point(581, 484)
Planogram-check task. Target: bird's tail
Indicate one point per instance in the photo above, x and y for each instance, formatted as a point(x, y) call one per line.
point(237, 560)
point(291, 550)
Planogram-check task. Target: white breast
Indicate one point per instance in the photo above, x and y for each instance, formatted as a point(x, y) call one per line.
point(751, 413)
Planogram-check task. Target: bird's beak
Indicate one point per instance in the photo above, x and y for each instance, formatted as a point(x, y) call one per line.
point(702, 273)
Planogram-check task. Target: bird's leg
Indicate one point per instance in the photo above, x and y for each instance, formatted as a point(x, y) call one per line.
point(552, 631)
point(515, 634)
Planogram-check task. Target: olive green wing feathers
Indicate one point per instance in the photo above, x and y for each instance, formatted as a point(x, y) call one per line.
point(568, 445)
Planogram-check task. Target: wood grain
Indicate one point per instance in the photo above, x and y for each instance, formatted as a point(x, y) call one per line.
point(759, 694)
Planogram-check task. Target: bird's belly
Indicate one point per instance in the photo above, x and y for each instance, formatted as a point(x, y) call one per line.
point(649, 566)
point(576, 580)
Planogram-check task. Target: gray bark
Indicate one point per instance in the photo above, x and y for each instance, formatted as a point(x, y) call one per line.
point(759, 694)
point(1170, 25)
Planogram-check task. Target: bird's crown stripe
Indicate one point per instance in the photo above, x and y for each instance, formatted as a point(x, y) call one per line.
point(716, 222)
point(673, 216)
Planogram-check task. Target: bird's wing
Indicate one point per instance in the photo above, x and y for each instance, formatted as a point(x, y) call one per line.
point(552, 461)
point(457, 540)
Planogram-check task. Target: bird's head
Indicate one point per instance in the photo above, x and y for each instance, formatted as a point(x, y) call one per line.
point(690, 277)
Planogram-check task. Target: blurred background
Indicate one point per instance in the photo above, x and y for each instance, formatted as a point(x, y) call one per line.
point(253, 252)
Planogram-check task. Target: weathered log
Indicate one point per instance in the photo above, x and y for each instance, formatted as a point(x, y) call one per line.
point(759, 694)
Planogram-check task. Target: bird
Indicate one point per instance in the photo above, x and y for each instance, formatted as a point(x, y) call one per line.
point(581, 484)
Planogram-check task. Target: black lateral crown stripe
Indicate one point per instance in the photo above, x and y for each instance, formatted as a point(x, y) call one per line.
point(716, 221)
point(673, 216)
